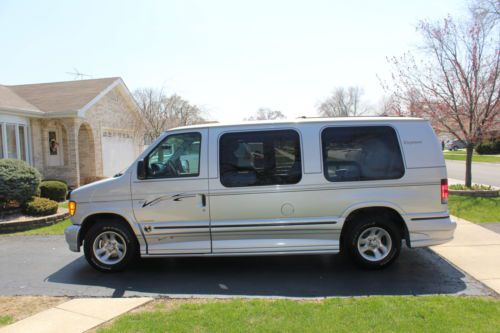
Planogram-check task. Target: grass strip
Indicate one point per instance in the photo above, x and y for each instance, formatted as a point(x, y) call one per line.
point(475, 209)
point(362, 314)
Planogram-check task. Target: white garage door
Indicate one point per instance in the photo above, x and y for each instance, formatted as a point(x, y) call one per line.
point(118, 152)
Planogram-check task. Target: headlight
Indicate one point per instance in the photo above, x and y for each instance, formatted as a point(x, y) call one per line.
point(72, 208)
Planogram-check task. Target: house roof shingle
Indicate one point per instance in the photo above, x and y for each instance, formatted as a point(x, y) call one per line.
point(62, 96)
point(9, 100)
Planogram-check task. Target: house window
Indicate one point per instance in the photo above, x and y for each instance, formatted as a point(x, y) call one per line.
point(14, 141)
point(11, 141)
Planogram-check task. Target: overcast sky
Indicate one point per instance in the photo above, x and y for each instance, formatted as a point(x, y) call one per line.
point(229, 57)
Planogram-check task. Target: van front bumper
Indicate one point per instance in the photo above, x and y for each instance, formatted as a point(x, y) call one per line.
point(71, 234)
point(430, 231)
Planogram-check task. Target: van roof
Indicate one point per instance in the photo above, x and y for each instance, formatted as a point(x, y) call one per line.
point(300, 121)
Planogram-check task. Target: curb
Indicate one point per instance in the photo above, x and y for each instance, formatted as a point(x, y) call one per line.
point(36, 222)
point(476, 193)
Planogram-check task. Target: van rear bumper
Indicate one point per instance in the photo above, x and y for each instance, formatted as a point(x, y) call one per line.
point(430, 231)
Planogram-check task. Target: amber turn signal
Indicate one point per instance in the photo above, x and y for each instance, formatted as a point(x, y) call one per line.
point(72, 208)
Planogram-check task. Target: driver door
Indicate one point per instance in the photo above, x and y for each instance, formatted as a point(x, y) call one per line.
point(170, 203)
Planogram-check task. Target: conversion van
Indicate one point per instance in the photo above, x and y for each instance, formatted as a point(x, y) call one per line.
point(360, 186)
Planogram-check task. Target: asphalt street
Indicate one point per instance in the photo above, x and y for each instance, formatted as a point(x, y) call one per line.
point(42, 265)
point(482, 173)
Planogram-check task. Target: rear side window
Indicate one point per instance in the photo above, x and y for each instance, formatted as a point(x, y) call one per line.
point(361, 153)
point(260, 158)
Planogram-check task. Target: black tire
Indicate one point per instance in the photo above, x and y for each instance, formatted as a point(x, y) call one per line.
point(360, 224)
point(131, 245)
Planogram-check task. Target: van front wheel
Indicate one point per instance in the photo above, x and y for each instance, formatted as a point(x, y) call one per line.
point(109, 246)
point(374, 242)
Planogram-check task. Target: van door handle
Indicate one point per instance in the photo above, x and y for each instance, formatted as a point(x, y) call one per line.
point(203, 198)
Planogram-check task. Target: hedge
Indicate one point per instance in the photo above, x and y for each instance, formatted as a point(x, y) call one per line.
point(18, 181)
point(53, 190)
point(40, 207)
point(489, 148)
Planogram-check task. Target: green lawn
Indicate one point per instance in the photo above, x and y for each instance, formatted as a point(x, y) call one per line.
point(5, 320)
point(475, 209)
point(459, 155)
point(363, 314)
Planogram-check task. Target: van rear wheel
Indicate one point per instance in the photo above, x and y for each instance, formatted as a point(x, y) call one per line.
point(110, 246)
point(373, 242)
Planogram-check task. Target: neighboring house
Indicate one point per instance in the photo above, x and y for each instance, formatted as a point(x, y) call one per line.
point(74, 131)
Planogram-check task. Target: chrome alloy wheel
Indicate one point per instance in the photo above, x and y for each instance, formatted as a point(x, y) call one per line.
point(109, 247)
point(374, 244)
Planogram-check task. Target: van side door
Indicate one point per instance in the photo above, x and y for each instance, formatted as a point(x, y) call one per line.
point(170, 203)
point(257, 202)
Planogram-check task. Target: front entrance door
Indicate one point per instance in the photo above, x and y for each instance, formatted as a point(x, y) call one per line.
point(55, 153)
point(171, 203)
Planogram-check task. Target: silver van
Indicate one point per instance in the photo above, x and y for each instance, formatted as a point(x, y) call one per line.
point(354, 185)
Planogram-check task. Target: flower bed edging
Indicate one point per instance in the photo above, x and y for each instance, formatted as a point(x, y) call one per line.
point(36, 222)
point(476, 193)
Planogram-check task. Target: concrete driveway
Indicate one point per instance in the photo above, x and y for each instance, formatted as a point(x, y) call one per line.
point(42, 265)
point(482, 173)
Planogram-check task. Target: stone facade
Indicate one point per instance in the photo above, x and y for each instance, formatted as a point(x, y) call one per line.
point(80, 141)
point(68, 127)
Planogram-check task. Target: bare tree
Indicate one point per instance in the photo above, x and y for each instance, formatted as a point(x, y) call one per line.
point(181, 113)
point(455, 82)
point(388, 106)
point(161, 112)
point(151, 106)
point(401, 105)
point(343, 102)
point(266, 114)
point(490, 9)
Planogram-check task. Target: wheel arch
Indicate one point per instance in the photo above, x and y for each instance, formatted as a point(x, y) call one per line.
point(95, 218)
point(392, 212)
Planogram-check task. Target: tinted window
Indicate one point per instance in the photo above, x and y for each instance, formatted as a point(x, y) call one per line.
point(178, 155)
point(361, 153)
point(260, 158)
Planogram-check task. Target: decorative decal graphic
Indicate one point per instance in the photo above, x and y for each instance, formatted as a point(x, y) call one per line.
point(175, 197)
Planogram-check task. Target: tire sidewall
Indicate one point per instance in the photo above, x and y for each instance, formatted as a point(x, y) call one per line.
point(360, 227)
point(95, 231)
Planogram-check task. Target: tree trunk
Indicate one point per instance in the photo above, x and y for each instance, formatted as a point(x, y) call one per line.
point(468, 165)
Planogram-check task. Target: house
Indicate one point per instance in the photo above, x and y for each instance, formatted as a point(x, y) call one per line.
point(76, 131)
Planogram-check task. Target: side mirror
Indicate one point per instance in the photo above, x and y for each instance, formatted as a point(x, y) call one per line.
point(141, 169)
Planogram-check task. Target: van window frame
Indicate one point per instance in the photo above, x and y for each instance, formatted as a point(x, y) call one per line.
point(146, 158)
point(323, 161)
point(251, 130)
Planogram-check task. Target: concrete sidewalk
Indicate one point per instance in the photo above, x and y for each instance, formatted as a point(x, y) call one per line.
point(475, 250)
point(76, 316)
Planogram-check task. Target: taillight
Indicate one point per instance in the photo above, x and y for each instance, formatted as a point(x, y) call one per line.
point(444, 191)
